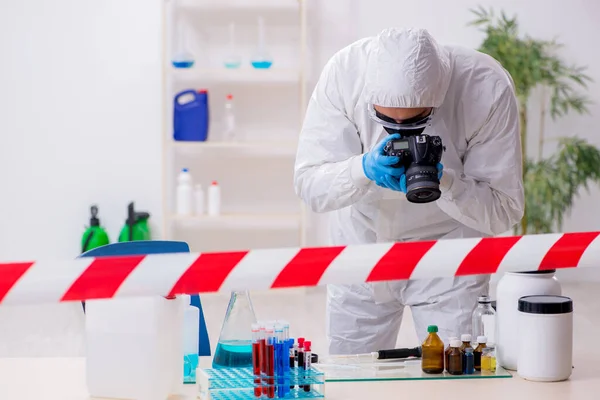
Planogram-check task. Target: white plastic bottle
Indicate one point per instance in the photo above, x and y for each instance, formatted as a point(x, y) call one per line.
point(199, 199)
point(184, 193)
point(229, 119)
point(214, 199)
point(191, 332)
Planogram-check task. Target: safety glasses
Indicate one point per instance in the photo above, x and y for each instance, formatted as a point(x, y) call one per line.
point(413, 123)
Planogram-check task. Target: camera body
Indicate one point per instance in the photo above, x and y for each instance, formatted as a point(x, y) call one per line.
point(419, 155)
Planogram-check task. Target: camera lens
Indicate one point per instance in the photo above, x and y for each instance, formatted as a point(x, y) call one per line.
point(422, 184)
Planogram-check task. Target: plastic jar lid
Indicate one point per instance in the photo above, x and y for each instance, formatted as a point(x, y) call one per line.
point(545, 305)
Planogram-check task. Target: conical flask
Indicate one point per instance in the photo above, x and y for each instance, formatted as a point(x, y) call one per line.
point(234, 349)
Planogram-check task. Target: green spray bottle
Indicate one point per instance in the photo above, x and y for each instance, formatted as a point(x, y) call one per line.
point(136, 226)
point(95, 235)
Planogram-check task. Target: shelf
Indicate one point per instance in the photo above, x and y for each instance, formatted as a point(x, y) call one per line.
point(240, 75)
point(263, 222)
point(278, 149)
point(240, 5)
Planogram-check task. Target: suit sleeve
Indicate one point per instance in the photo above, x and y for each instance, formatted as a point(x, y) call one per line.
point(328, 173)
point(488, 194)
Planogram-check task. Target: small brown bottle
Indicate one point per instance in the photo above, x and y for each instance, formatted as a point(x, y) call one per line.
point(481, 340)
point(455, 358)
point(432, 359)
point(447, 351)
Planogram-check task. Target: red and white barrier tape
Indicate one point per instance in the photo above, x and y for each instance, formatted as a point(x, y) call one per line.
point(168, 274)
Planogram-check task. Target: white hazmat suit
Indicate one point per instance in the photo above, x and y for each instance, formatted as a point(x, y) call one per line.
point(475, 114)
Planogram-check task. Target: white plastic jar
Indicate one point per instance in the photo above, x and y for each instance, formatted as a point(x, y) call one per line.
point(545, 338)
point(511, 287)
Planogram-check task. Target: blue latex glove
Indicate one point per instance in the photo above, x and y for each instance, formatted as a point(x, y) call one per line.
point(440, 168)
point(378, 167)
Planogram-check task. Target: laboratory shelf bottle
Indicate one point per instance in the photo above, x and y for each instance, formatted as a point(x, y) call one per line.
point(432, 361)
point(481, 344)
point(484, 319)
point(234, 349)
point(455, 358)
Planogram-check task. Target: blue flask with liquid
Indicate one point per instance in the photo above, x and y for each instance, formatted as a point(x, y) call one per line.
point(234, 349)
point(190, 116)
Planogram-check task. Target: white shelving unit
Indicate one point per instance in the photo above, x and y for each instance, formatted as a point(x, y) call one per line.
point(259, 207)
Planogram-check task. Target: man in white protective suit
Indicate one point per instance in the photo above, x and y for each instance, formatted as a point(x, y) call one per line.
point(399, 84)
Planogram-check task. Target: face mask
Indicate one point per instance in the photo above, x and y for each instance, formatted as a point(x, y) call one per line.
point(410, 127)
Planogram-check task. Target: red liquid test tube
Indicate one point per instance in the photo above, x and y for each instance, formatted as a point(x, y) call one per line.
point(256, 360)
point(263, 358)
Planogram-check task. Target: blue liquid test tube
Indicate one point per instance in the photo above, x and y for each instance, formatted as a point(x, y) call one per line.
point(279, 354)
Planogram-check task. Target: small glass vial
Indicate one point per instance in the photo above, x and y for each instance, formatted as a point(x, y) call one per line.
point(484, 319)
point(481, 341)
point(488, 360)
point(466, 344)
point(448, 349)
point(432, 360)
point(455, 358)
point(469, 361)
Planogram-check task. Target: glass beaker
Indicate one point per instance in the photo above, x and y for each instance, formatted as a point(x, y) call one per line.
point(234, 349)
point(233, 59)
point(261, 58)
point(182, 57)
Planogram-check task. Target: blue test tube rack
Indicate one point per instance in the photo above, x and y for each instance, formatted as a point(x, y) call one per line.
point(238, 384)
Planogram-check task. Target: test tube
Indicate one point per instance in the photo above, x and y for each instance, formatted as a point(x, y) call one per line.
point(256, 359)
point(301, 359)
point(307, 364)
point(270, 362)
point(263, 356)
point(292, 356)
point(280, 358)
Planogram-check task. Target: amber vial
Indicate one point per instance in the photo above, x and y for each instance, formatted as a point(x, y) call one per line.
point(447, 351)
point(478, 350)
point(432, 359)
point(455, 358)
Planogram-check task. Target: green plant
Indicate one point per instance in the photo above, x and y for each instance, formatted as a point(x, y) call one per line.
point(551, 183)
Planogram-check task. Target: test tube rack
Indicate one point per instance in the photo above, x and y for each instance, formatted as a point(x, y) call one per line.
point(239, 384)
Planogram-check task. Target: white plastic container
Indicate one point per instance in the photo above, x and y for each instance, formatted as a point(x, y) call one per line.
point(191, 332)
point(133, 346)
point(229, 119)
point(214, 199)
point(199, 200)
point(184, 193)
point(545, 338)
point(510, 289)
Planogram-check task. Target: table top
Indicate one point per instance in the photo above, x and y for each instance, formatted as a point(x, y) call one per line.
point(64, 379)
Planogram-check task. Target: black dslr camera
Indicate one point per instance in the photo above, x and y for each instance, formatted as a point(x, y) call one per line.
point(419, 155)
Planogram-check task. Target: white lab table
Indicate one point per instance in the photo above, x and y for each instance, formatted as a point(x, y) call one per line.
point(38, 378)
point(64, 379)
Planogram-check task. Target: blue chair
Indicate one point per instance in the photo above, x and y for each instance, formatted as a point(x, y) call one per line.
point(154, 247)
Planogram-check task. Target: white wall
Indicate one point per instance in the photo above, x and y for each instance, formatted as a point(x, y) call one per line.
point(80, 102)
point(80, 120)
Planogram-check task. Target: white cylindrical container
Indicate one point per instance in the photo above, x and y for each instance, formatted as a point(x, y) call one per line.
point(184, 193)
point(214, 199)
point(510, 289)
point(199, 199)
point(545, 338)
